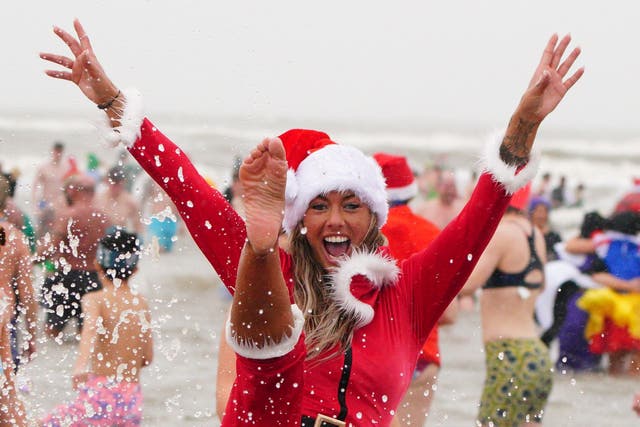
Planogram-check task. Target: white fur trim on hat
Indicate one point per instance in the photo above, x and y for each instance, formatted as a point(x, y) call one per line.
point(269, 348)
point(130, 122)
point(334, 168)
point(402, 193)
point(507, 175)
point(379, 269)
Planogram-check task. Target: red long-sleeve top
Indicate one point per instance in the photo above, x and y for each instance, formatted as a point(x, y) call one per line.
point(385, 350)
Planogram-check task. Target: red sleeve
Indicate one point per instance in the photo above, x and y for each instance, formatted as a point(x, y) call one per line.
point(216, 228)
point(433, 277)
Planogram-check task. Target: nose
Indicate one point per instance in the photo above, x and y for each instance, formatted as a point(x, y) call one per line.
point(336, 218)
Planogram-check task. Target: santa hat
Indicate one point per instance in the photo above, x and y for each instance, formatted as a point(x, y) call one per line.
point(520, 199)
point(401, 185)
point(318, 165)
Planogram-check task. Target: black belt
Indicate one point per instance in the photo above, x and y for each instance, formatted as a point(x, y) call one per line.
point(325, 421)
point(321, 421)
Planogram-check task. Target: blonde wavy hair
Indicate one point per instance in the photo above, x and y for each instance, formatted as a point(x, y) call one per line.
point(326, 325)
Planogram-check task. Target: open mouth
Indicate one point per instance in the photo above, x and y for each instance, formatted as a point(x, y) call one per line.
point(337, 246)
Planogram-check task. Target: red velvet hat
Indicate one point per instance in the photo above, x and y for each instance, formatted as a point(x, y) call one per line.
point(520, 199)
point(401, 184)
point(318, 165)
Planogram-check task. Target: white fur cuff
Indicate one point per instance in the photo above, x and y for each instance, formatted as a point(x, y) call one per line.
point(507, 175)
point(269, 349)
point(380, 271)
point(130, 122)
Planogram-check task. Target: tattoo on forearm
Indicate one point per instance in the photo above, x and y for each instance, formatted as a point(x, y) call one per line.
point(514, 150)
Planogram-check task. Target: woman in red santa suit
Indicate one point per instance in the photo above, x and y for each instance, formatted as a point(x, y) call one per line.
point(330, 331)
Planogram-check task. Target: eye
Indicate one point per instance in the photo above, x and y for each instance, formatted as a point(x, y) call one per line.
point(318, 206)
point(352, 206)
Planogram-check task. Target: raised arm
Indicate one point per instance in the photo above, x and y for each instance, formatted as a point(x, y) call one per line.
point(438, 273)
point(547, 88)
point(85, 71)
point(214, 225)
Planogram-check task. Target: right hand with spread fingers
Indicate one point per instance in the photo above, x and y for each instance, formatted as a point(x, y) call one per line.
point(83, 68)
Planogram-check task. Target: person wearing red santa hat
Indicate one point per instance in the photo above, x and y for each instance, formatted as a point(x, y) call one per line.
point(329, 333)
point(630, 202)
point(408, 233)
point(511, 274)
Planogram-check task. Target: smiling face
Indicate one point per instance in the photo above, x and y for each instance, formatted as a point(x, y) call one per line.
point(336, 223)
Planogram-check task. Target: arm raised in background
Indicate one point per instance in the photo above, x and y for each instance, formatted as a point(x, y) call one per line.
point(509, 164)
point(215, 226)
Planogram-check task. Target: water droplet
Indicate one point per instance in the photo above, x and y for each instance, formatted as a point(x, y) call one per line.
point(359, 415)
point(180, 174)
point(384, 398)
point(190, 203)
point(161, 148)
point(469, 257)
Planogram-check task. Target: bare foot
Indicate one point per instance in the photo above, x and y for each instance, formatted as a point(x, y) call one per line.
point(263, 177)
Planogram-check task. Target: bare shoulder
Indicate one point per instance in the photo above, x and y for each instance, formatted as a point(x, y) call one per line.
point(505, 234)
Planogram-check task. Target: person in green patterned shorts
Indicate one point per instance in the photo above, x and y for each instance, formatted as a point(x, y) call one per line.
point(511, 272)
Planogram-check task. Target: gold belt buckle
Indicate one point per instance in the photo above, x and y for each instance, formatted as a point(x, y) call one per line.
point(329, 420)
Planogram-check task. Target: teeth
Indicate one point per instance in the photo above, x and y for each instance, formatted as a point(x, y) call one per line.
point(336, 239)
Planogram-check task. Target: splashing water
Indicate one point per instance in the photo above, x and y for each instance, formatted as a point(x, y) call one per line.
point(145, 325)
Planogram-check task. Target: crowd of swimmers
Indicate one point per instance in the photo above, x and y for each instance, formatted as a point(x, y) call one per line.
point(347, 261)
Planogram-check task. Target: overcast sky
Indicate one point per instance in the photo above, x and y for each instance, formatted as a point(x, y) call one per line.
point(456, 61)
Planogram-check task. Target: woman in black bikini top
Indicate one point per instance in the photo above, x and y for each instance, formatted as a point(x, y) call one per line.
point(519, 379)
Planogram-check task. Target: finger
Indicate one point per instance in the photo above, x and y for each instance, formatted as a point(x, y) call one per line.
point(568, 63)
point(574, 78)
point(63, 75)
point(82, 35)
point(547, 55)
point(69, 40)
point(58, 59)
point(557, 55)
